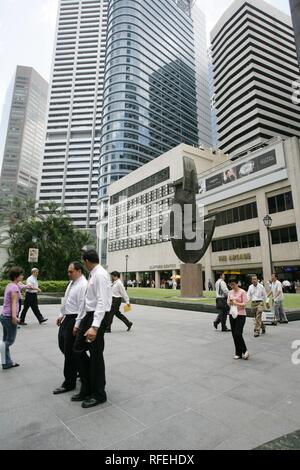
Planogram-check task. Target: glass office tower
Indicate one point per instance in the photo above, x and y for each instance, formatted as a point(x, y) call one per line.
point(150, 92)
point(155, 86)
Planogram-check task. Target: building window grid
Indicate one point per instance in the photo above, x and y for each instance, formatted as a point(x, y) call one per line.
point(281, 202)
point(249, 240)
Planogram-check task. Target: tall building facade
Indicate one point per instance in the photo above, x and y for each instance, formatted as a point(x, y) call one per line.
point(138, 71)
point(295, 9)
point(156, 92)
point(71, 155)
point(24, 121)
point(154, 98)
point(255, 65)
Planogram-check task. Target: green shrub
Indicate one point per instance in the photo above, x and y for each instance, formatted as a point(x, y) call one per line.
point(45, 286)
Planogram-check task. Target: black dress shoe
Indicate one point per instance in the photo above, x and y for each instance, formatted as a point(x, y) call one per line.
point(79, 397)
point(59, 390)
point(226, 329)
point(215, 325)
point(90, 402)
point(43, 321)
point(22, 323)
point(129, 326)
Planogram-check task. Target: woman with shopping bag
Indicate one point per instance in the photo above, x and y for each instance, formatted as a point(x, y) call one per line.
point(237, 300)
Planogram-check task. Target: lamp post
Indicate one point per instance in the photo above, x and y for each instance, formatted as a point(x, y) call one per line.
point(268, 223)
point(126, 258)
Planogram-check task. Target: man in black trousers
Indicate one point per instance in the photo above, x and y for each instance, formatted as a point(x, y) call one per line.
point(31, 299)
point(90, 327)
point(221, 303)
point(72, 304)
point(118, 293)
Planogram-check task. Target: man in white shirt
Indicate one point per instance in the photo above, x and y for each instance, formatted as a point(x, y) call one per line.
point(31, 299)
point(118, 293)
point(90, 328)
point(277, 295)
point(221, 303)
point(72, 304)
point(258, 296)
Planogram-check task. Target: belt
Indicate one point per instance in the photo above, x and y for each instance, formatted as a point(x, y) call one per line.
point(257, 301)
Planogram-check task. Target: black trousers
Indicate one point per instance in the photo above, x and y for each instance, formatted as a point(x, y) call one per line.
point(223, 309)
point(66, 342)
point(115, 310)
point(237, 326)
point(91, 367)
point(31, 302)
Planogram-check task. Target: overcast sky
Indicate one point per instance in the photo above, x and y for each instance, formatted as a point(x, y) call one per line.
point(27, 33)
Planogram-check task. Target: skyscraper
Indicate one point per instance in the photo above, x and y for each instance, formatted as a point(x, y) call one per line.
point(156, 87)
point(295, 9)
point(154, 95)
point(24, 120)
point(71, 155)
point(152, 100)
point(255, 64)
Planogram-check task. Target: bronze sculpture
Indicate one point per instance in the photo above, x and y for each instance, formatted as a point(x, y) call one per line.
point(186, 189)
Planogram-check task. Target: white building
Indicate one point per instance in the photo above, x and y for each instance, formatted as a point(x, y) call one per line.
point(240, 193)
point(70, 166)
point(255, 65)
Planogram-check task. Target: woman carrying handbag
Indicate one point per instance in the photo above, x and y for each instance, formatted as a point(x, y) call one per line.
point(237, 300)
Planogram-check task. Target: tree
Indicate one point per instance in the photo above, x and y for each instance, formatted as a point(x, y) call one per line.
point(58, 241)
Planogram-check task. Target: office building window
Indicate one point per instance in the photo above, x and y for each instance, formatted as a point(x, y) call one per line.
point(284, 235)
point(280, 203)
point(233, 243)
point(237, 214)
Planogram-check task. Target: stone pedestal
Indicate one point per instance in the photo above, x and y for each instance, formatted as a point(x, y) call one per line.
point(191, 280)
point(297, 290)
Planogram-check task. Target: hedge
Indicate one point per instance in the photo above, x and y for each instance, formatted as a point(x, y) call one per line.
point(45, 286)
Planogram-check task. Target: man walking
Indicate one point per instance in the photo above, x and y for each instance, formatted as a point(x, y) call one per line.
point(72, 305)
point(118, 292)
point(258, 296)
point(90, 328)
point(31, 299)
point(277, 295)
point(221, 303)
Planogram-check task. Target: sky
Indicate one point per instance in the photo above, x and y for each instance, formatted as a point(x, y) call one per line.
point(27, 30)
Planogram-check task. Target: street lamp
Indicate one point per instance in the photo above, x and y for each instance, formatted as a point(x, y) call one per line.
point(126, 258)
point(268, 223)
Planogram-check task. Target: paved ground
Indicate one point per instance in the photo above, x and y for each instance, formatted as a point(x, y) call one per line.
point(172, 383)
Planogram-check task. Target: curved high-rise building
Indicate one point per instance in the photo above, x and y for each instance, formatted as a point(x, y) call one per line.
point(150, 92)
point(255, 65)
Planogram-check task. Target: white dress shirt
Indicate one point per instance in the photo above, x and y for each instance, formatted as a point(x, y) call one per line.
point(98, 297)
point(257, 293)
point(221, 289)
point(277, 292)
point(32, 281)
point(73, 301)
point(118, 290)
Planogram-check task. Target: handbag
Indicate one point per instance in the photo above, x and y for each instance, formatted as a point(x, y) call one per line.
point(221, 302)
point(233, 311)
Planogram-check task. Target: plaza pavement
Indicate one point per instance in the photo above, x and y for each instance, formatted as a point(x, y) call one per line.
point(172, 383)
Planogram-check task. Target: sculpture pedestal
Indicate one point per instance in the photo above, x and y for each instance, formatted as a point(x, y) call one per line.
point(191, 280)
